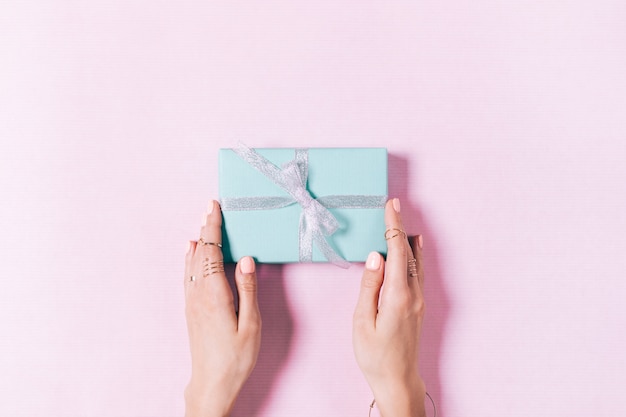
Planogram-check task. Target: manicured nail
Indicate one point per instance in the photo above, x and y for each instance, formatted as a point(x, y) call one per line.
point(247, 265)
point(373, 261)
point(420, 241)
point(188, 246)
point(396, 205)
point(209, 209)
point(205, 217)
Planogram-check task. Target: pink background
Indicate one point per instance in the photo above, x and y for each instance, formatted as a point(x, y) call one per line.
point(505, 122)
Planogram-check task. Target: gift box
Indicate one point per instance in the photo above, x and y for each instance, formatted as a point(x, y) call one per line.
point(283, 205)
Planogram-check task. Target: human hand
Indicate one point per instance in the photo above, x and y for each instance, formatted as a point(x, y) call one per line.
point(387, 322)
point(224, 345)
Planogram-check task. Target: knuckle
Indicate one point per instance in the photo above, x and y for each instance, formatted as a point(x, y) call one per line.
point(360, 323)
point(247, 284)
point(253, 327)
point(256, 324)
point(420, 307)
point(213, 252)
point(400, 248)
point(371, 281)
point(403, 300)
point(358, 318)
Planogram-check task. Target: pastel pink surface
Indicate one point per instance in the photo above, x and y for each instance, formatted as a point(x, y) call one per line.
point(505, 128)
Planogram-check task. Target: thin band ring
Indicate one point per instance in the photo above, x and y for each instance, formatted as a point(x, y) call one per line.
point(212, 267)
point(413, 267)
point(192, 278)
point(204, 242)
point(398, 233)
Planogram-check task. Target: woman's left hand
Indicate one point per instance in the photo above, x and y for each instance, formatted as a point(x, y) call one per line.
point(224, 344)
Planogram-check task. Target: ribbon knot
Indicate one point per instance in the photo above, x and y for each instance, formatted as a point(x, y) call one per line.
point(296, 184)
point(303, 198)
point(316, 221)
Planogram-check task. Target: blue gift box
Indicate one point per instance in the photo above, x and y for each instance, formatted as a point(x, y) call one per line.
point(268, 216)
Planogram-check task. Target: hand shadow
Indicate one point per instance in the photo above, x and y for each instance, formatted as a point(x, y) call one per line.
point(437, 303)
point(276, 340)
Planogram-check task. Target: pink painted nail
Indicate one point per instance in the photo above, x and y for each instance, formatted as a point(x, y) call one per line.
point(420, 241)
point(210, 207)
point(373, 261)
point(396, 205)
point(247, 265)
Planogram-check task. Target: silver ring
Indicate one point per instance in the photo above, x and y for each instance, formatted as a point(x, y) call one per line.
point(192, 278)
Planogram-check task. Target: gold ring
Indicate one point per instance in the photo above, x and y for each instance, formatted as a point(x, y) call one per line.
point(212, 267)
point(413, 267)
point(204, 242)
point(398, 233)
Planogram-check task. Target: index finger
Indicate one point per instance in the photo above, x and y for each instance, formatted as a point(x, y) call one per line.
point(397, 244)
point(209, 249)
point(211, 232)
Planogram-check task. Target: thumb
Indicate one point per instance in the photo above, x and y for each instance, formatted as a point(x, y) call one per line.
point(372, 281)
point(245, 277)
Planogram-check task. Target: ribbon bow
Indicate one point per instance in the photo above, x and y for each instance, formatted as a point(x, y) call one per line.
point(316, 221)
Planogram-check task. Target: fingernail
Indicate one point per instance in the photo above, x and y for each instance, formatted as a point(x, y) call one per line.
point(420, 241)
point(188, 246)
point(247, 265)
point(373, 261)
point(209, 209)
point(205, 217)
point(396, 205)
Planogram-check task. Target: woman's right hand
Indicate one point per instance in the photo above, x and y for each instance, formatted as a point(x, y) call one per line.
point(387, 322)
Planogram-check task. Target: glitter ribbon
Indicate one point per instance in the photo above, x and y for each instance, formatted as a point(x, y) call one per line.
point(316, 221)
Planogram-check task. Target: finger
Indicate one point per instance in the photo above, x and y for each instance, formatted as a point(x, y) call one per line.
point(211, 232)
point(397, 257)
point(246, 279)
point(412, 268)
point(420, 260)
point(415, 282)
point(373, 276)
point(191, 248)
point(208, 254)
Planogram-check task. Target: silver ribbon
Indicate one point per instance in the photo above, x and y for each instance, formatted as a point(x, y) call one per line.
point(316, 221)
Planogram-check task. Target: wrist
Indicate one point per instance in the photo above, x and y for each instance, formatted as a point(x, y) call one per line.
point(402, 399)
point(207, 403)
